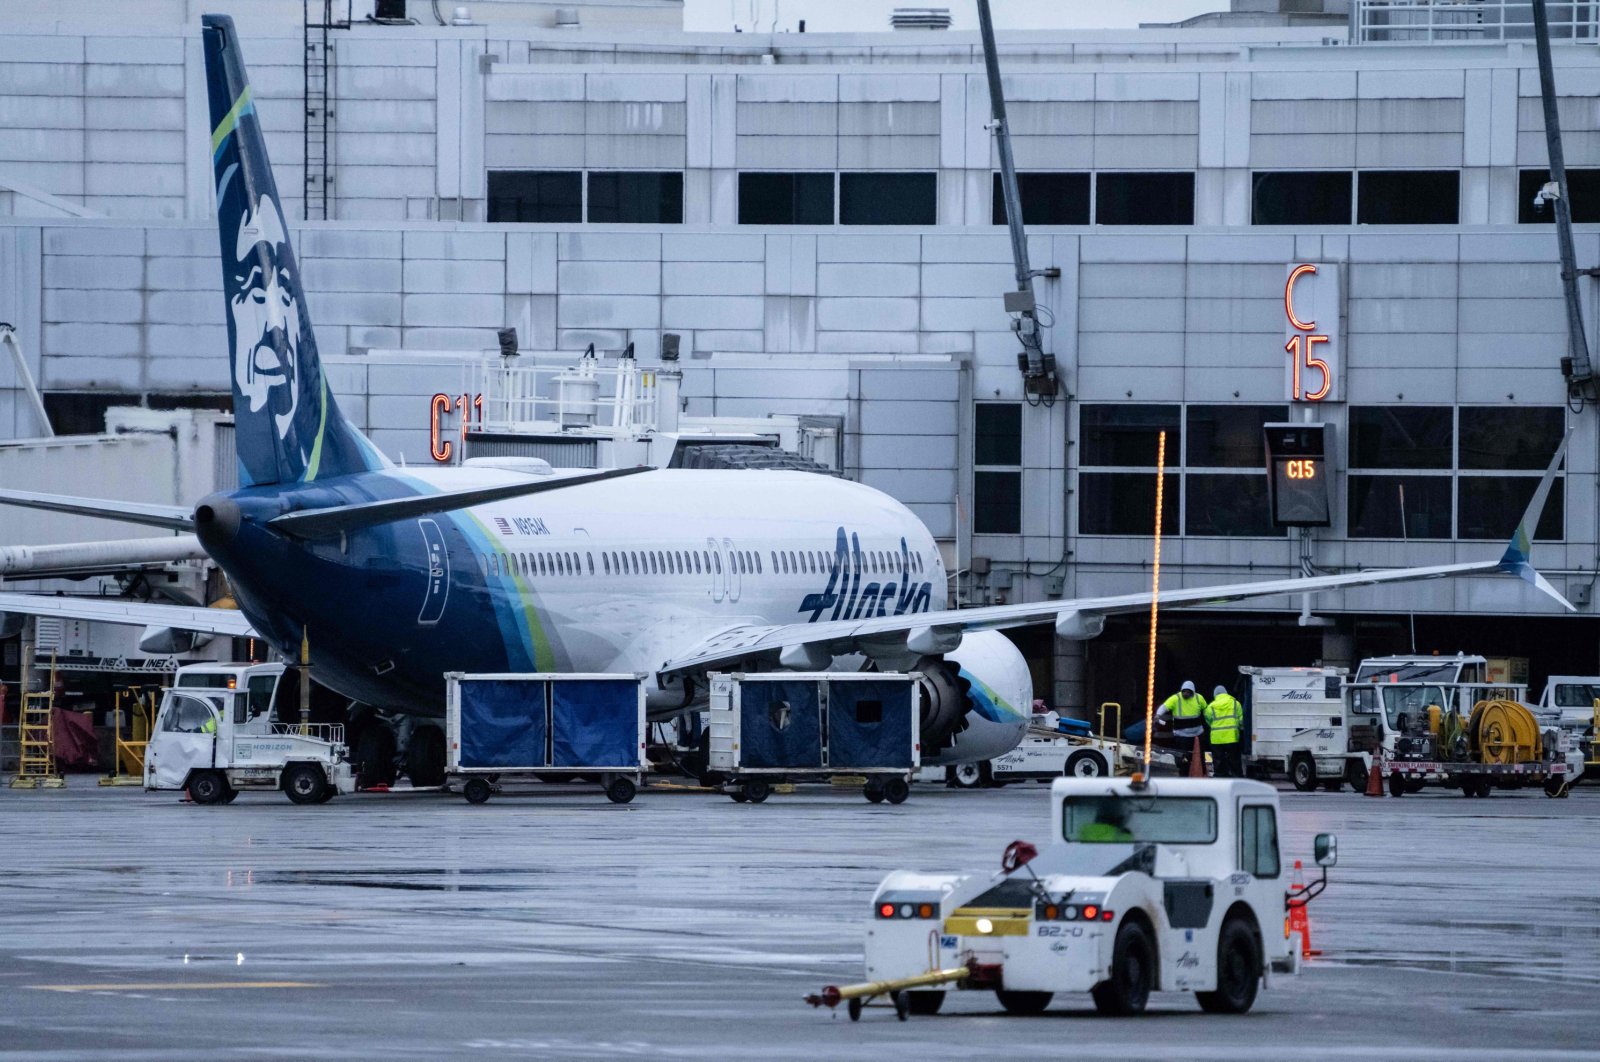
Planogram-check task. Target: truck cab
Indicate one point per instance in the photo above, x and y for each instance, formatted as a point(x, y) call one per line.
point(216, 740)
point(262, 683)
point(1175, 885)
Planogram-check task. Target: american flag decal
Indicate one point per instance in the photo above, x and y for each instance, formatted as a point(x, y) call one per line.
point(503, 524)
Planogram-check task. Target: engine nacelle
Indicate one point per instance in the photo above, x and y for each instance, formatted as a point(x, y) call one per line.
point(980, 698)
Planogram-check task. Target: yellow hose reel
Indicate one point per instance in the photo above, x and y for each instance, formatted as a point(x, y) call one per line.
point(1504, 732)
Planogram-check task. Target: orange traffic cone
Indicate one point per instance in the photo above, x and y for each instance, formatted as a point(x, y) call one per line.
point(1299, 920)
point(1197, 760)
point(1375, 780)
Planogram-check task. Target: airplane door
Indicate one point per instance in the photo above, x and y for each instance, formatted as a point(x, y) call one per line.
point(714, 569)
point(731, 566)
point(182, 741)
point(438, 574)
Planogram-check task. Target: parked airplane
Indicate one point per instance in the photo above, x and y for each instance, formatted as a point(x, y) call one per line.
point(397, 576)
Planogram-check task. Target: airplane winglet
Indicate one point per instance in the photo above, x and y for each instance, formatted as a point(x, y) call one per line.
point(1517, 558)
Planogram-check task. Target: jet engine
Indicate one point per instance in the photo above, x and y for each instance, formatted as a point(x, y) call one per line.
point(980, 698)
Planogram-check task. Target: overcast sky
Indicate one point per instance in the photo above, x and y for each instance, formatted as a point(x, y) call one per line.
point(825, 16)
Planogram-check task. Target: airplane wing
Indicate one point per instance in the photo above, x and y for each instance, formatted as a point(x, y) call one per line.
point(810, 645)
point(171, 517)
point(134, 613)
point(934, 632)
point(90, 558)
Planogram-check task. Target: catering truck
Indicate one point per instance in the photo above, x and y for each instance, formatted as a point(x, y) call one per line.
point(1169, 885)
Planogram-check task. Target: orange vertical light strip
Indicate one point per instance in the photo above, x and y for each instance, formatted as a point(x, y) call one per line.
point(1155, 596)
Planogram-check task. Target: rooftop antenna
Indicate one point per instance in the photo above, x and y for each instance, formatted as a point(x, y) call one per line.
point(1039, 382)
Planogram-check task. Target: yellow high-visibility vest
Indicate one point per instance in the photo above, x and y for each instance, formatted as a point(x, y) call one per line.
point(1182, 707)
point(1224, 716)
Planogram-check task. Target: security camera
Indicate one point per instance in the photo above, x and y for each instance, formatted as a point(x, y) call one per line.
point(1548, 194)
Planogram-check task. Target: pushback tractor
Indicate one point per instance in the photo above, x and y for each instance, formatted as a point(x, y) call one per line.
point(1175, 885)
point(218, 742)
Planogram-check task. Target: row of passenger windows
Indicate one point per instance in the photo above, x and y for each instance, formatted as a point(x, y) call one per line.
point(691, 562)
point(1288, 197)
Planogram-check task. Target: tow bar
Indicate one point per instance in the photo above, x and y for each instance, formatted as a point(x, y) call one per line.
point(857, 996)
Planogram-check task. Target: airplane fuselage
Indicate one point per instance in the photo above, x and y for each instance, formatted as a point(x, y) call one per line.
point(613, 576)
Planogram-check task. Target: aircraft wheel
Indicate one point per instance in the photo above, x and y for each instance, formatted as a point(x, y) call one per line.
point(896, 790)
point(476, 790)
point(375, 756)
point(1022, 1002)
point(304, 783)
point(1303, 773)
point(1238, 971)
point(621, 790)
point(1084, 764)
point(1127, 990)
point(967, 775)
point(208, 787)
point(425, 757)
point(923, 1004)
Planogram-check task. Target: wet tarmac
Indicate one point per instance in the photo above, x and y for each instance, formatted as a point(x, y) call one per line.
point(559, 926)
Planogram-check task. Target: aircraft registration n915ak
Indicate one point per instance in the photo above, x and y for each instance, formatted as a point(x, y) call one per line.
point(400, 575)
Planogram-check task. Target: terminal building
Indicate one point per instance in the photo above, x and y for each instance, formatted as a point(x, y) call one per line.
point(1244, 221)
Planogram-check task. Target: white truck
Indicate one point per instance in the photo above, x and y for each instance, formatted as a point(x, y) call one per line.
point(1172, 885)
point(1285, 703)
point(218, 733)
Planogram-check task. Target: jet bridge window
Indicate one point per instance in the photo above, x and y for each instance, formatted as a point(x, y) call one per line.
point(1258, 842)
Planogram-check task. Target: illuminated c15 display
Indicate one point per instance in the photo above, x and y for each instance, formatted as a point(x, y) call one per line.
point(1311, 331)
point(1297, 475)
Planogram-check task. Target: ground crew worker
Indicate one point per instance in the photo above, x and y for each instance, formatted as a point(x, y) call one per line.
point(1109, 825)
point(1185, 709)
point(209, 726)
point(1225, 716)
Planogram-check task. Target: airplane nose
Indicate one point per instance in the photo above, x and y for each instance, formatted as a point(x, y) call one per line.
point(216, 519)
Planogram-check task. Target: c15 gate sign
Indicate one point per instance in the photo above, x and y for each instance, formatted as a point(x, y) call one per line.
point(1312, 340)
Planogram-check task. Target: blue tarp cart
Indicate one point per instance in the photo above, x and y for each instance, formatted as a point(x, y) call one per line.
point(787, 726)
point(511, 725)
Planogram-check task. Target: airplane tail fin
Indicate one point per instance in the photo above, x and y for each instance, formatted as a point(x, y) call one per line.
point(1516, 559)
point(287, 426)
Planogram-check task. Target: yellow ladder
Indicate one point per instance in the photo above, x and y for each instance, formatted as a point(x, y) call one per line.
point(36, 761)
point(127, 761)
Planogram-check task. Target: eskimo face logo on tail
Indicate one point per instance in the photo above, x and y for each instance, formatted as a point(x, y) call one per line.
point(845, 596)
point(264, 316)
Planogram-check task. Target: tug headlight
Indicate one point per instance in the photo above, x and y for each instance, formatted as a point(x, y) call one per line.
point(985, 926)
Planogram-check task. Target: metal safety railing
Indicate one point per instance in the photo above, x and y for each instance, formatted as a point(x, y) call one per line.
point(1445, 21)
point(136, 705)
point(333, 733)
point(524, 393)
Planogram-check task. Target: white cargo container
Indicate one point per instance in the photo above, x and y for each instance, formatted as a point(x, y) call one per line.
point(1284, 702)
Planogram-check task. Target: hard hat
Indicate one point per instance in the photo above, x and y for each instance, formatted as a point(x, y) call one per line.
point(1188, 687)
point(1219, 691)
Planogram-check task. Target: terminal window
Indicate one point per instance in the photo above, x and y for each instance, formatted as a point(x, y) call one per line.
point(634, 197)
point(535, 196)
point(1124, 503)
point(1310, 197)
point(1443, 472)
point(1583, 197)
point(1143, 199)
point(888, 199)
point(997, 468)
point(1047, 199)
point(1408, 197)
point(786, 199)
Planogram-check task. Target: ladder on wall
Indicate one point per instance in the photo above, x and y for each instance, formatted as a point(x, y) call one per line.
point(316, 129)
point(36, 760)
